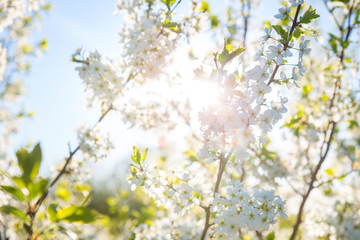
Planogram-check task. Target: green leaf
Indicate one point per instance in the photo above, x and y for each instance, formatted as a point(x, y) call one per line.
point(63, 193)
point(29, 163)
point(281, 31)
point(291, 123)
point(175, 27)
point(37, 188)
point(330, 172)
point(345, 44)
point(27, 49)
point(43, 45)
point(325, 98)
point(19, 182)
point(333, 46)
point(136, 157)
point(309, 15)
point(228, 47)
point(353, 124)
point(236, 53)
point(7, 209)
point(332, 36)
point(214, 21)
point(298, 32)
point(168, 3)
point(328, 192)
point(343, 1)
point(76, 214)
point(352, 149)
point(47, 7)
point(52, 211)
point(306, 89)
point(144, 156)
point(191, 155)
point(14, 192)
point(225, 56)
point(270, 236)
point(341, 178)
point(204, 7)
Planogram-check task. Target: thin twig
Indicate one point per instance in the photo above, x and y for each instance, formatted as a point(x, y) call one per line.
point(335, 178)
point(327, 141)
point(286, 45)
point(311, 185)
point(332, 14)
point(293, 188)
point(222, 165)
point(168, 14)
point(39, 202)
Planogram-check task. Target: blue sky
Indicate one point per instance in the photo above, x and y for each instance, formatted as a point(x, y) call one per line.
point(54, 90)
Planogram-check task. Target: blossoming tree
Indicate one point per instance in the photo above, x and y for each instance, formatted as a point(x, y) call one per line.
point(247, 173)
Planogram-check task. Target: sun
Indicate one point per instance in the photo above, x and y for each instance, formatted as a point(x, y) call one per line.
point(202, 93)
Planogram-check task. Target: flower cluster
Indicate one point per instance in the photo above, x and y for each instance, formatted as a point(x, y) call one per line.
point(338, 220)
point(101, 78)
point(14, 9)
point(219, 193)
point(172, 190)
point(145, 47)
point(17, 19)
point(146, 114)
point(239, 209)
point(179, 193)
point(137, 84)
point(170, 228)
point(147, 43)
point(93, 144)
point(247, 113)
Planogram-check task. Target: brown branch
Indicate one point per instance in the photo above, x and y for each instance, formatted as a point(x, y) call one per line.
point(286, 45)
point(293, 188)
point(333, 127)
point(245, 12)
point(311, 185)
point(168, 14)
point(336, 177)
point(331, 11)
point(39, 202)
point(222, 165)
point(243, 174)
point(67, 161)
point(223, 162)
point(3, 233)
point(240, 234)
point(259, 235)
point(207, 220)
point(308, 158)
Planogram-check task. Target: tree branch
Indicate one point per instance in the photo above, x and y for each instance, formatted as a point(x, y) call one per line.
point(222, 166)
point(336, 177)
point(330, 123)
point(311, 184)
point(39, 202)
point(286, 45)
